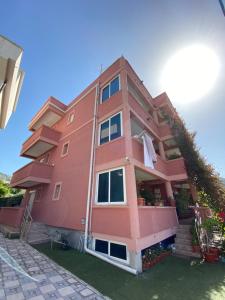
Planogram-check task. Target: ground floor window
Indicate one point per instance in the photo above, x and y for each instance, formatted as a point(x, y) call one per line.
point(111, 187)
point(115, 250)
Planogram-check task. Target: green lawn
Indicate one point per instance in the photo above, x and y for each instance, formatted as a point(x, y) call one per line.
point(173, 279)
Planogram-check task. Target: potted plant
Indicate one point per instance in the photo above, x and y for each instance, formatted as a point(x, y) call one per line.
point(210, 225)
point(222, 255)
point(140, 198)
point(147, 196)
point(194, 239)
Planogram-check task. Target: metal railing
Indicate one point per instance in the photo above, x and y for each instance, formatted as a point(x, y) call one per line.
point(26, 224)
point(201, 232)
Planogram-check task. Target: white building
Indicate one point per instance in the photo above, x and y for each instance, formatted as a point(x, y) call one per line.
point(11, 78)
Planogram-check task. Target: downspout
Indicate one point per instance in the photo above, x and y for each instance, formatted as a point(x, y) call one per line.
point(92, 252)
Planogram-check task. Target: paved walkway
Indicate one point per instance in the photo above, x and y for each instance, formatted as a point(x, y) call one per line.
point(54, 282)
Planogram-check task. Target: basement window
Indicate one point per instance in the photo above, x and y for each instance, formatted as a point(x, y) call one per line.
point(112, 249)
point(110, 89)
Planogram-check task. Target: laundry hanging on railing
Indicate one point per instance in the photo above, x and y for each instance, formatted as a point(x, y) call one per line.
point(149, 151)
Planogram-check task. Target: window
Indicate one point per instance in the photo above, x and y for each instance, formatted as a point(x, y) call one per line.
point(70, 118)
point(110, 187)
point(110, 89)
point(45, 159)
point(57, 191)
point(65, 149)
point(110, 129)
point(115, 250)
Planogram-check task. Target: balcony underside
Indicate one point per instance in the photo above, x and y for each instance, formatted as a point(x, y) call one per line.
point(33, 174)
point(41, 141)
point(38, 149)
point(50, 113)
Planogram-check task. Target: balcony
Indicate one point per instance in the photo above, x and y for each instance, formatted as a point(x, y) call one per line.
point(175, 167)
point(52, 111)
point(156, 224)
point(41, 141)
point(143, 114)
point(31, 175)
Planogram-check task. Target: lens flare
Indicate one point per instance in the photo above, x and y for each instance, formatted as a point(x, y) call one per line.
point(190, 74)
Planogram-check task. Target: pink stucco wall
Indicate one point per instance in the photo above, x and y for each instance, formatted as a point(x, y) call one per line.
point(11, 216)
point(155, 219)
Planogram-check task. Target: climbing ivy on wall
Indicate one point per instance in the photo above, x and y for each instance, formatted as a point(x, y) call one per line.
point(210, 189)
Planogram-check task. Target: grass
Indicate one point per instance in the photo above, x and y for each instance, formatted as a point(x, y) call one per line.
point(172, 279)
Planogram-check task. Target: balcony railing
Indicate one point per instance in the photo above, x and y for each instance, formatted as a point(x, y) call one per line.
point(32, 174)
point(41, 141)
point(154, 220)
point(143, 114)
point(166, 167)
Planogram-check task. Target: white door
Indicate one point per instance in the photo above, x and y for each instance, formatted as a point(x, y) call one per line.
point(31, 201)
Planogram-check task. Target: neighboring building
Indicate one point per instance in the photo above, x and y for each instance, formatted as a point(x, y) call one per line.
point(108, 145)
point(11, 78)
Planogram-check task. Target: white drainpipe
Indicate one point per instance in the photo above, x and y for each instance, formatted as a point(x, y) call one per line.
point(92, 252)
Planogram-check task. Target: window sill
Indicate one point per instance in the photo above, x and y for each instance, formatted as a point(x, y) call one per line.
point(110, 142)
point(110, 206)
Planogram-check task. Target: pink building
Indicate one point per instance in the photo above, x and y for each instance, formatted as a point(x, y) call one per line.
point(93, 158)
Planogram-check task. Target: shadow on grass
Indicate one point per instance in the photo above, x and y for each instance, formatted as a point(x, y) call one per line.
point(172, 279)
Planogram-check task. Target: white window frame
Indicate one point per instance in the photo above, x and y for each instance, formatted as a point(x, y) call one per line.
point(69, 116)
point(108, 83)
point(64, 154)
point(126, 261)
point(60, 189)
point(109, 185)
point(121, 128)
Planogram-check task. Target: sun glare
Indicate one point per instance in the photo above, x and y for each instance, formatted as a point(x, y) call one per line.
point(190, 74)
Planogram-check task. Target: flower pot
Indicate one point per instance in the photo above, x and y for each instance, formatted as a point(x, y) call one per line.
point(214, 250)
point(172, 202)
point(210, 257)
point(141, 201)
point(196, 248)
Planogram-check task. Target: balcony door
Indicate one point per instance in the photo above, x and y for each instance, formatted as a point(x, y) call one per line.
point(31, 201)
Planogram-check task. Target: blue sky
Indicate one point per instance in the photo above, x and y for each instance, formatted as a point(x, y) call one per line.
point(66, 42)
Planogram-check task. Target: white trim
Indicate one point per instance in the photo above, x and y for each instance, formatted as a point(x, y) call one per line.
point(71, 113)
point(109, 119)
point(124, 187)
point(64, 154)
point(60, 188)
point(108, 84)
point(126, 261)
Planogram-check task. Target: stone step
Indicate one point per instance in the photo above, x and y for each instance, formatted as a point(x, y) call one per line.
point(184, 226)
point(181, 241)
point(183, 247)
point(185, 236)
point(181, 231)
point(39, 241)
point(188, 253)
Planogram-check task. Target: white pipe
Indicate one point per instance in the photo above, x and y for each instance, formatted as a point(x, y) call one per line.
point(94, 253)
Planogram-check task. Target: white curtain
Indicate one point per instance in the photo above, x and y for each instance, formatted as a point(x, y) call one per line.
point(149, 151)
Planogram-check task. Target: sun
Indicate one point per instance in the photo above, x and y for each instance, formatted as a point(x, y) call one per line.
point(190, 74)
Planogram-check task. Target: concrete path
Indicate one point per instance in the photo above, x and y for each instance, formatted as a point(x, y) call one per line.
point(54, 282)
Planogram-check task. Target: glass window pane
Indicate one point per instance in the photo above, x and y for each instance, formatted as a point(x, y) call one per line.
point(118, 251)
point(116, 188)
point(101, 246)
point(114, 86)
point(103, 187)
point(115, 127)
point(104, 133)
point(105, 93)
